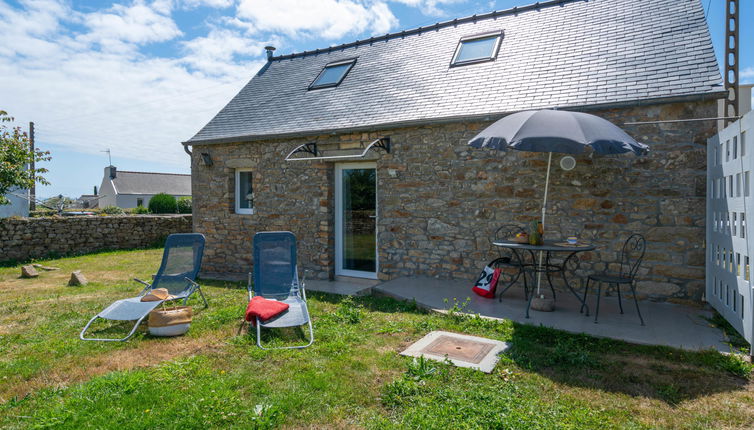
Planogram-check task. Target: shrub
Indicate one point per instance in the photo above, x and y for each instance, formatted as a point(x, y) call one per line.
point(184, 205)
point(111, 210)
point(139, 210)
point(163, 204)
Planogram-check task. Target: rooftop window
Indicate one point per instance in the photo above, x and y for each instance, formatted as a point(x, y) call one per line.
point(332, 75)
point(476, 49)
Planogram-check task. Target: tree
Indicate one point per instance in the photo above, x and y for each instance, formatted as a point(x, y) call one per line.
point(16, 156)
point(362, 192)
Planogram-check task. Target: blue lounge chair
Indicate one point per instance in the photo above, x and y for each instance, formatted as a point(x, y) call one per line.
point(181, 261)
point(276, 277)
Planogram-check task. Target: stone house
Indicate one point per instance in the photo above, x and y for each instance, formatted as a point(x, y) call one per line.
point(419, 200)
point(128, 190)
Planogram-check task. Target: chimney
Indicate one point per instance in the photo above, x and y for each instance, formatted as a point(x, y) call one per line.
point(110, 171)
point(270, 50)
point(95, 190)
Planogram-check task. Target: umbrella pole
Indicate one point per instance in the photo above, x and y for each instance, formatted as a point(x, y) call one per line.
point(544, 211)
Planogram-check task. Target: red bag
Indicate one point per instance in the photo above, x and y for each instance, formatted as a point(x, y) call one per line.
point(487, 282)
point(264, 309)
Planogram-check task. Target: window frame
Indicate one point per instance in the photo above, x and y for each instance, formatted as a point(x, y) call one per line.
point(350, 61)
point(237, 191)
point(488, 35)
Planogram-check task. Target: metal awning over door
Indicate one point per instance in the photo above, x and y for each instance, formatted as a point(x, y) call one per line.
point(313, 151)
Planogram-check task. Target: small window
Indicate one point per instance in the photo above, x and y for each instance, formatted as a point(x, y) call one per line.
point(139, 202)
point(244, 192)
point(332, 75)
point(730, 186)
point(743, 143)
point(746, 184)
point(476, 49)
point(743, 226)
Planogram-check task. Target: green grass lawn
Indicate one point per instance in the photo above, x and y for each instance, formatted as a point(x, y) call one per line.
point(352, 377)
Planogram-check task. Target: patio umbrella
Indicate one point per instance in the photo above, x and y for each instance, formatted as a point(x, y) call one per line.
point(556, 131)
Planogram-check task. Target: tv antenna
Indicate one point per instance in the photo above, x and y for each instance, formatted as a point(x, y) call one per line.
point(109, 158)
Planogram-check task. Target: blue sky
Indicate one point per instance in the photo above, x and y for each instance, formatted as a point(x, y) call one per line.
point(140, 76)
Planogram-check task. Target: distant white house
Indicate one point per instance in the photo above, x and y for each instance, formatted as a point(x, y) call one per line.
point(19, 204)
point(131, 189)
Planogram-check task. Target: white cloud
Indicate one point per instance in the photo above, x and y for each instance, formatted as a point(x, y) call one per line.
point(141, 108)
point(86, 95)
point(329, 19)
point(138, 23)
point(167, 6)
point(747, 73)
point(235, 22)
point(29, 32)
point(217, 53)
point(89, 79)
point(209, 3)
point(429, 7)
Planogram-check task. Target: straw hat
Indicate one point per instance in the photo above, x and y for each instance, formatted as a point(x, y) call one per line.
point(157, 295)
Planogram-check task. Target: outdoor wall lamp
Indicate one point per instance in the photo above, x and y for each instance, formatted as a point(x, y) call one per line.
point(207, 159)
point(567, 163)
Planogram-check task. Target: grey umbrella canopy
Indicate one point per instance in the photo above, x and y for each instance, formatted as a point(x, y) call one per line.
point(557, 131)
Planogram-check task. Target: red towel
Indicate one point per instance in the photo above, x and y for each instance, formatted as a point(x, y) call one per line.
point(264, 309)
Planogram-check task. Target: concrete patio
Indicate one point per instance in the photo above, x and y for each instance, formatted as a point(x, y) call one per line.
point(666, 323)
point(343, 285)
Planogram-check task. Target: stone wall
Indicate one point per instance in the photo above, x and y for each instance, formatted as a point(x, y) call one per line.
point(440, 200)
point(25, 238)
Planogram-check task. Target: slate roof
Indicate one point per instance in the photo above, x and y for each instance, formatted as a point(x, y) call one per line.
point(560, 54)
point(152, 183)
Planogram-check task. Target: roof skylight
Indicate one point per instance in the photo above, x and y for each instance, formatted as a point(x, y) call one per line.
point(332, 75)
point(478, 48)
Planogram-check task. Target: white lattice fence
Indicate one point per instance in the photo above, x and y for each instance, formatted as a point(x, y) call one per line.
point(730, 167)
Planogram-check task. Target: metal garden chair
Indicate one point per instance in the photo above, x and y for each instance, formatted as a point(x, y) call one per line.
point(631, 257)
point(180, 265)
point(508, 260)
point(275, 277)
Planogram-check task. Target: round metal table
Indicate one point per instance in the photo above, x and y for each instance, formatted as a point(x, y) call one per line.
point(549, 267)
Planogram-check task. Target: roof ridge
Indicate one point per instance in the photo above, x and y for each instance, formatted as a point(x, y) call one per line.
point(418, 30)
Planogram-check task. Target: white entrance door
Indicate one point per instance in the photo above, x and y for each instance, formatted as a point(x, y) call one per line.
point(356, 220)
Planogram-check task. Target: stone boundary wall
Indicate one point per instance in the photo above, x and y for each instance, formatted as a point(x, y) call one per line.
point(26, 238)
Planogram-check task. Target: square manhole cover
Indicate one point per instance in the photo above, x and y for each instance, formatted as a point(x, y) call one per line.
point(462, 350)
point(472, 351)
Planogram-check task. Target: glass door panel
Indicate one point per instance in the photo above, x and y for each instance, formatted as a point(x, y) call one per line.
point(358, 221)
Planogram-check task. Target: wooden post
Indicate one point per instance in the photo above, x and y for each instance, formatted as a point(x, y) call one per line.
point(33, 190)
